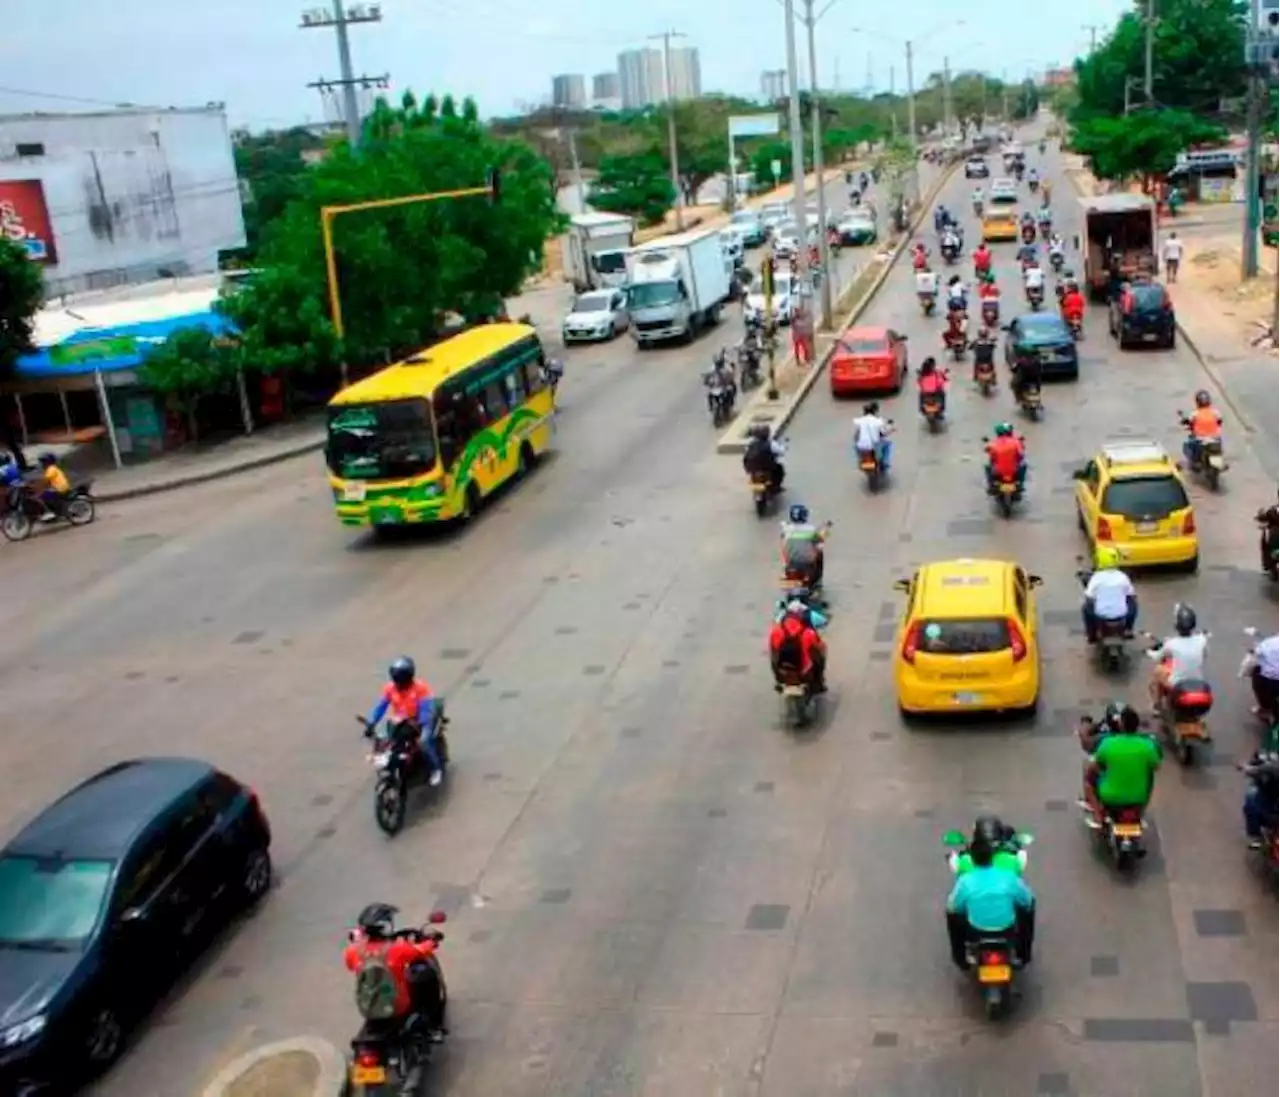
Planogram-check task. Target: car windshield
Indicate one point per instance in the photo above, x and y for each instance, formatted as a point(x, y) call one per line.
point(609, 262)
point(50, 902)
point(382, 441)
point(590, 302)
point(1144, 497)
point(948, 636)
point(1042, 329)
point(865, 345)
point(747, 219)
point(1148, 298)
point(646, 295)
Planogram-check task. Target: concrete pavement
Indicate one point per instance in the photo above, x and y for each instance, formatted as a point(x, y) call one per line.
point(653, 889)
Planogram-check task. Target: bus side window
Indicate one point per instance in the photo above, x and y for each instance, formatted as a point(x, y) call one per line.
point(450, 432)
point(534, 377)
point(495, 401)
point(513, 383)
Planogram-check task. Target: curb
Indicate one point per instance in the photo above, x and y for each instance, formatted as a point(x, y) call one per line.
point(330, 1082)
point(727, 444)
point(191, 479)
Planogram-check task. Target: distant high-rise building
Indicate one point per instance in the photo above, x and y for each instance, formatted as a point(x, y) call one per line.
point(604, 86)
point(773, 85)
point(569, 90)
point(640, 78)
point(686, 74)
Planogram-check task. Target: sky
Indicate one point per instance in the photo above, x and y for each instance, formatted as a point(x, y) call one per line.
point(74, 55)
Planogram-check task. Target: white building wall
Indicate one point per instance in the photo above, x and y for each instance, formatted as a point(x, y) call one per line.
point(130, 194)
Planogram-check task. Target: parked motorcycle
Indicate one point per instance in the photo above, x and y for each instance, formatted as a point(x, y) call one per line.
point(23, 509)
point(390, 1052)
point(398, 760)
point(1206, 459)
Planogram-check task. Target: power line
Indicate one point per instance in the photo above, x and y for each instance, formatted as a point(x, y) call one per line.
point(339, 21)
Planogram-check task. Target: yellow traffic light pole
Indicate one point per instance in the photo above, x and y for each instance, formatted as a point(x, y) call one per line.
point(329, 213)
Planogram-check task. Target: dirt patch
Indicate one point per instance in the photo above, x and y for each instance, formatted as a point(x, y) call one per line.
point(289, 1074)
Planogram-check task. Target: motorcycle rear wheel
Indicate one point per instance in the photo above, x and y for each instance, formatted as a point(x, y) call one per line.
point(389, 807)
point(79, 510)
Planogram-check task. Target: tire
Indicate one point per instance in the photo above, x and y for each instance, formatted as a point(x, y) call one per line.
point(102, 1042)
point(1211, 477)
point(762, 506)
point(1186, 753)
point(256, 879)
point(1005, 504)
point(1192, 565)
point(523, 463)
point(470, 504)
point(79, 510)
point(993, 1003)
point(390, 807)
point(16, 525)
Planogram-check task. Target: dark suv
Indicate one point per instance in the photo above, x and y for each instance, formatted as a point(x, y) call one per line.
point(104, 897)
point(1143, 313)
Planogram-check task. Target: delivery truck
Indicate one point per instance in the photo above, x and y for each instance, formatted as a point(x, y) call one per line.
point(1119, 232)
point(595, 250)
point(676, 285)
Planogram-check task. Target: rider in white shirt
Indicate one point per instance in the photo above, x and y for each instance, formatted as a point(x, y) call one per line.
point(1033, 278)
point(1109, 595)
point(871, 432)
point(1263, 666)
point(1033, 176)
point(979, 195)
point(957, 293)
point(1057, 246)
point(1181, 657)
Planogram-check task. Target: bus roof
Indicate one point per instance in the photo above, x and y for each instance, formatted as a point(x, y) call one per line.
point(421, 373)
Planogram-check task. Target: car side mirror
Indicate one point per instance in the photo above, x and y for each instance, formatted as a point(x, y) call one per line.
point(902, 585)
point(1035, 581)
point(1080, 474)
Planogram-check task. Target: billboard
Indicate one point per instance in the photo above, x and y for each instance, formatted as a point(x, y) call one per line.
point(754, 125)
point(24, 218)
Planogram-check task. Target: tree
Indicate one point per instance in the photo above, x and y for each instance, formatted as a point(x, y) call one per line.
point(272, 167)
point(21, 294)
point(190, 365)
point(638, 185)
point(1144, 143)
point(1026, 100)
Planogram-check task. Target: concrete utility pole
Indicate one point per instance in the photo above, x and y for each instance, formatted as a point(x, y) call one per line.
point(1093, 29)
point(1147, 77)
point(797, 150)
point(911, 99)
point(946, 97)
point(577, 170)
point(666, 37)
point(339, 21)
point(815, 117)
point(1253, 166)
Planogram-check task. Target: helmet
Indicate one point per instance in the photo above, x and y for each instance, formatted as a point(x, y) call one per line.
point(1003, 430)
point(47, 459)
point(1184, 619)
point(929, 365)
point(1107, 556)
point(402, 672)
point(799, 514)
point(1203, 400)
point(988, 829)
point(377, 920)
point(759, 430)
point(872, 408)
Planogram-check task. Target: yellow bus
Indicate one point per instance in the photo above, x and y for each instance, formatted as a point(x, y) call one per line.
point(427, 439)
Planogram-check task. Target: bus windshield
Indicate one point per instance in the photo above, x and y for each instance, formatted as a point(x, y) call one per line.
point(381, 441)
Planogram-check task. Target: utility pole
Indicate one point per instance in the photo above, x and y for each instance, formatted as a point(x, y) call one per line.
point(1148, 64)
point(666, 37)
point(911, 99)
point(797, 152)
point(835, 76)
point(339, 20)
point(1004, 96)
point(946, 97)
point(815, 112)
point(1253, 174)
point(577, 170)
point(893, 110)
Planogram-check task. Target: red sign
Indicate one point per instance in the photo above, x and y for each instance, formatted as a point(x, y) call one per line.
point(24, 218)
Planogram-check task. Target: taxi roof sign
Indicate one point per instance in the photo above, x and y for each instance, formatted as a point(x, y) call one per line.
point(1135, 451)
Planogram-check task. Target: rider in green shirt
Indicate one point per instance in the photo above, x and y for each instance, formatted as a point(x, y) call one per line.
point(1121, 772)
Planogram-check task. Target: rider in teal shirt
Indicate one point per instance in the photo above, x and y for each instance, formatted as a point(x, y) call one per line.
point(989, 900)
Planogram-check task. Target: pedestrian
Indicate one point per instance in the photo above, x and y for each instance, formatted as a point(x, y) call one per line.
point(802, 336)
point(1172, 255)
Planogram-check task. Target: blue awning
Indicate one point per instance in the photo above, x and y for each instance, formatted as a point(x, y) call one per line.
point(113, 349)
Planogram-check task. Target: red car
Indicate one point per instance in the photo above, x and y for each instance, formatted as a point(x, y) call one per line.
point(868, 359)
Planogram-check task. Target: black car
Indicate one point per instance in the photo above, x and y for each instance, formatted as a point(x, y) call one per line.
point(103, 898)
point(1045, 336)
point(976, 168)
point(1142, 313)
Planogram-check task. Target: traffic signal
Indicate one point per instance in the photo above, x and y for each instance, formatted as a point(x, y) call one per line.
point(495, 186)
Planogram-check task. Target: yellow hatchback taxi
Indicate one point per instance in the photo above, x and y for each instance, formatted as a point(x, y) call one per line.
point(1000, 224)
point(1131, 496)
point(967, 641)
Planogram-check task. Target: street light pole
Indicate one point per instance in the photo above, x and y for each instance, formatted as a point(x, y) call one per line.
point(815, 111)
point(666, 37)
point(911, 99)
point(1253, 174)
point(797, 149)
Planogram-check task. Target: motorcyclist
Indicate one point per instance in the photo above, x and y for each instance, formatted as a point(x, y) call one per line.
point(794, 644)
point(984, 350)
point(816, 617)
point(1001, 837)
point(55, 487)
point(950, 244)
point(1264, 676)
point(1058, 247)
point(932, 382)
point(1204, 425)
point(1261, 806)
point(720, 376)
point(940, 218)
point(764, 455)
point(407, 698)
point(979, 199)
point(802, 545)
point(926, 284)
point(1268, 519)
point(920, 256)
point(410, 958)
point(1033, 177)
point(989, 295)
point(1006, 457)
point(957, 294)
point(1180, 657)
point(1072, 305)
point(1109, 594)
point(1121, 770)
point(981, 260)
point(990, 900)
point(1025, 376)
point(871, 434)
point(1044, 218)
point(1033, 280)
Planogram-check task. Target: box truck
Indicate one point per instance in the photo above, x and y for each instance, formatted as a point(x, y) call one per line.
point(676, 285)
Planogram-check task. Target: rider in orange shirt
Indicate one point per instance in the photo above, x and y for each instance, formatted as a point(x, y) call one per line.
point(406, 698)
point(1204, 424)
point(795, 644)
point(981, 260)
point(409, 956)
point(1006, 457)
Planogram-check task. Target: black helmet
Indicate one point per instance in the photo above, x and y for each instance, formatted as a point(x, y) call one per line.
point(402, 672)
point(47, 459)
point(1203, 400)
point(760, 431)
point(1184, 619)
point(377, 920)
point(988, 830)
point(928, 365)
point(872, 408)
point(1118, 716)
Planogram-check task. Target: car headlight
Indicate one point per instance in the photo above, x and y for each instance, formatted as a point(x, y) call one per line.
point(23, 1031)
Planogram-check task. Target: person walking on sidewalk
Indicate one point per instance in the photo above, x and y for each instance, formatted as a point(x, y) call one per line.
point(1172, 255)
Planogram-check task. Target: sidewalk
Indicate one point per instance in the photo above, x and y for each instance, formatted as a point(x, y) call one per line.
point(197, 465)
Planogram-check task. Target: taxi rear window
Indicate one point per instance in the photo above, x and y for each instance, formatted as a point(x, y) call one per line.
point(865, 346)
point(1144, 496)
point(955, 636)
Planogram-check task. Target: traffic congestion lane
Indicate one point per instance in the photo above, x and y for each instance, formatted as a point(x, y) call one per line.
point(1194, 937)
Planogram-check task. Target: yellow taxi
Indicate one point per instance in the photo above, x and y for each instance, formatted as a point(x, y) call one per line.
point(1132, 497)
point(1000, 224)
point(967, 641)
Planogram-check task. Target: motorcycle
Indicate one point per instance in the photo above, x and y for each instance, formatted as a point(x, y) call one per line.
point(1030, 402)
point(749, 373)
point(763, 492)
point(928, 302)
point(1057, 260)
point(390, 1052)
point(1266, 713)
point(1033, 185)
point(984, 372)
point(931, 409)
point(1028, 233)
point(1075, 325)
point(990, 957)
point(1004, 490)
point(977, 207)
point(1269, 541)
point(991, 312)
point(950, 254)
point(870, 466)
point(1035, 297)
point(398, 760)
point(956, 341)
point(1112, 649)
point(23, 509)
point(720, 397)
point(1267, 854)
point(1206, 459)
point(799, 701)
point(1181, 715)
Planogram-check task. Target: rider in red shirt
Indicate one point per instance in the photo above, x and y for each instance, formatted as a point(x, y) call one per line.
point(1073, 305)
point(794, 639)
point(920, 256)
point(981, 259)
point(411, 961)
point(407, 698)
point(1006, 456)
point(932, 381)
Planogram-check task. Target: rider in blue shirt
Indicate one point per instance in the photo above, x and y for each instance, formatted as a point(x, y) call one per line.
point(990, 900)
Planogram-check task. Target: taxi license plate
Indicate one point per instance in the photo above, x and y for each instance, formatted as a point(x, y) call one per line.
point(994, 973)
point(1189, 731)
point(1127, 830)
point(1148, 527)
point(966, 698)
point(386, 518)
point(931, 408)
point(353, 493)
point(368, 1076)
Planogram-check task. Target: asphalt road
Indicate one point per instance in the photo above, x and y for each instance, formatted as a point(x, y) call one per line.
point(652, 888)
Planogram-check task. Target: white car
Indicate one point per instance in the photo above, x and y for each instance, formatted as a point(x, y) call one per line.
point(750, 226)
point(735, 250)
point(786, 240)
point(1004, 190)
point(783, 301)
point(598, 315)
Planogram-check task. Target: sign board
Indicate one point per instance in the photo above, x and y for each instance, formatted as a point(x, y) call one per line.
point(754, 125)
point(776, 168)
point(24, 218)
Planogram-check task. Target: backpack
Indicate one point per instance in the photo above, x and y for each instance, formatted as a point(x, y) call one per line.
point(376, 989)
point(790, 653)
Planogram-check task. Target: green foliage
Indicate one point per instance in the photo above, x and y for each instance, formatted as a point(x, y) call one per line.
point(637, 184)
point(187, 367)
point(273, 170)
point(21, 294)
point(1026, 101)
point(1144, 143)
point(284, 324)
point(763, 156)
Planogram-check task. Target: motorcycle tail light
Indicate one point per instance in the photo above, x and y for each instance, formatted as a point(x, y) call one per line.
point(991, 957)
point(438, 917)
point(368, 1058)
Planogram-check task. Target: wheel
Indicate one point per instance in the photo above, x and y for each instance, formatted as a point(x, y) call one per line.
point(79, 510)
point(1192, 565)
point(1172, 341)
point(389, 806)
point(256, 879)
point(470, 503)
point(522, 461)
point(1006, 505)
point(16, 525)
point(442, 747)
point(762, 506)
point(103, 1040)
point(1186, 753)
point(1211, 477)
